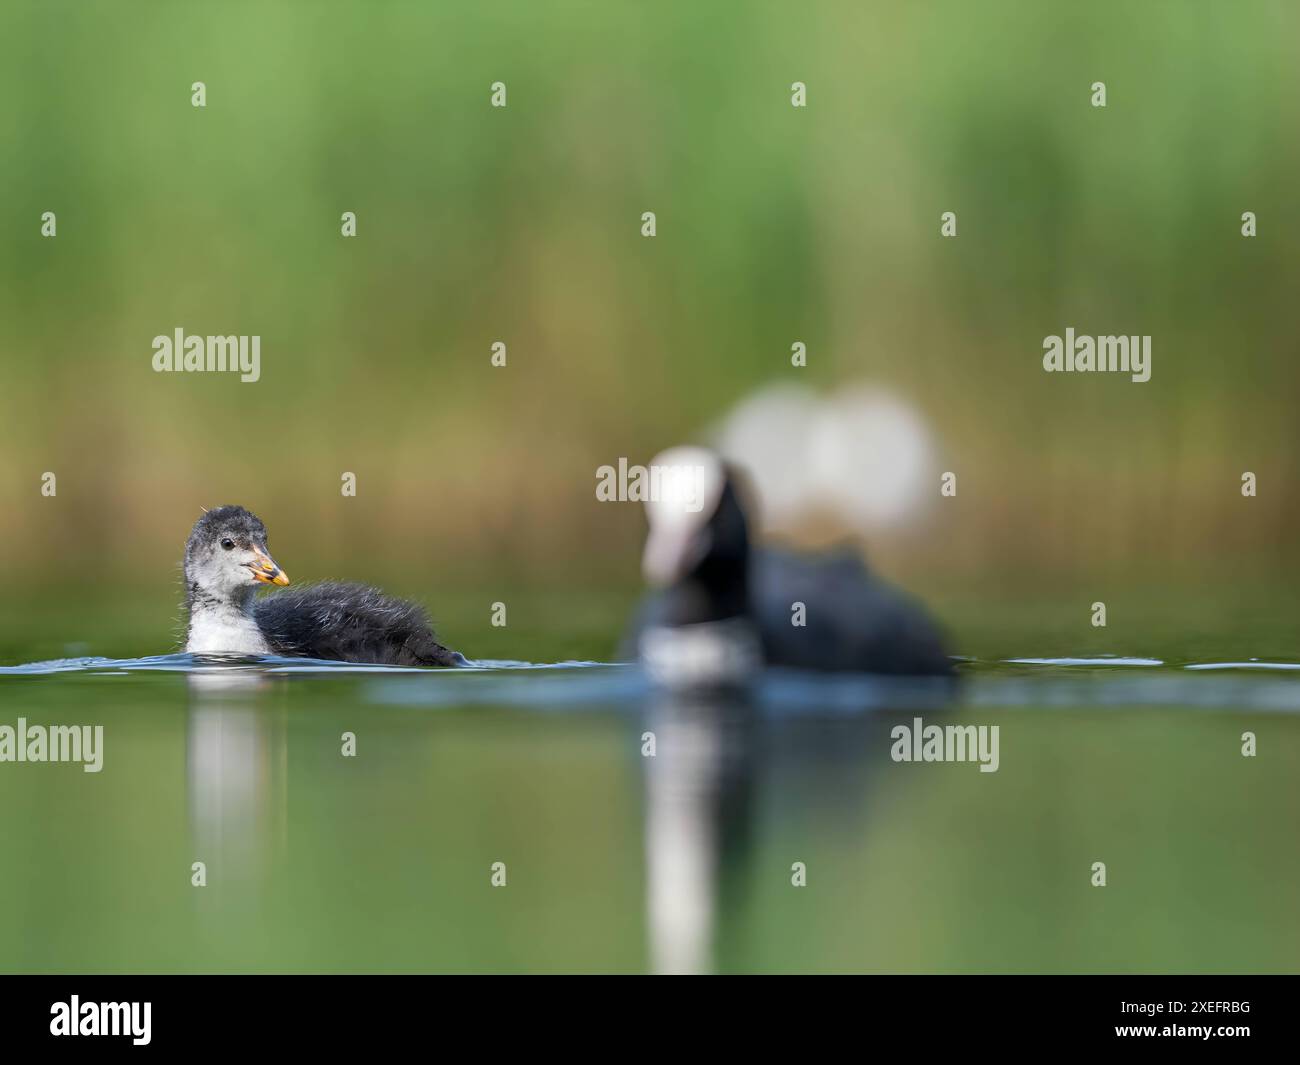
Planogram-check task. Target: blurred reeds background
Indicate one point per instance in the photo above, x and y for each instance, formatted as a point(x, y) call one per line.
point(522, 224)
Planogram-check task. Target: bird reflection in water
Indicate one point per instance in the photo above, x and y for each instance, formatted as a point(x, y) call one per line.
point(699, 788)
point(237, 780)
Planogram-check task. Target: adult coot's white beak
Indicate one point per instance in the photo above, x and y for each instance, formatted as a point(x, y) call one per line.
point(671, 552)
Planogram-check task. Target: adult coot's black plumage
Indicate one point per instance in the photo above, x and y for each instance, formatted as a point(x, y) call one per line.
point(226, 558)
point(725, 607)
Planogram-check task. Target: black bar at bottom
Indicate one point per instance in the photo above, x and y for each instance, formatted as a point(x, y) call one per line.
point(363, 1012)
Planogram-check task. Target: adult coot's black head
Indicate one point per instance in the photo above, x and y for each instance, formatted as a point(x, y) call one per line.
point(226, 555)
point(697, 631)
point(698, 543)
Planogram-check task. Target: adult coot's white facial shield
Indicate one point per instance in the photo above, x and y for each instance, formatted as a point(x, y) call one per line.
point(685, 486)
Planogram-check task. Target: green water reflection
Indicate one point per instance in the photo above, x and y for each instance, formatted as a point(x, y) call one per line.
point(382, 861)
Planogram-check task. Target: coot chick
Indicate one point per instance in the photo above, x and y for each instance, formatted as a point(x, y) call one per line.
point(725, 607)
point(226, 558)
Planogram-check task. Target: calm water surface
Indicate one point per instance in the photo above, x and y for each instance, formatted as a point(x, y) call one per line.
point(613, 860)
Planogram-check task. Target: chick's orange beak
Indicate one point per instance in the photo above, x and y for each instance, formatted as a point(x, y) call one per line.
point(265, 570)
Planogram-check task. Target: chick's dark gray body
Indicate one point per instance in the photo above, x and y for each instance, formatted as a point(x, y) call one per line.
point(350, 623)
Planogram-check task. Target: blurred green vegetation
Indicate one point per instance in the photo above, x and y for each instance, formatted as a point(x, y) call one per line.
point(522, 225)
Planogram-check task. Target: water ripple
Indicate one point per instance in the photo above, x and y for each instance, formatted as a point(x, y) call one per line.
point(1012, 683)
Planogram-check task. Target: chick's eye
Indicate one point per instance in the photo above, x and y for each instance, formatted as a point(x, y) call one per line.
point(228, 544)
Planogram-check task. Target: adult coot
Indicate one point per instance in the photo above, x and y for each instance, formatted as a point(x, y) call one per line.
point(725, 607)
